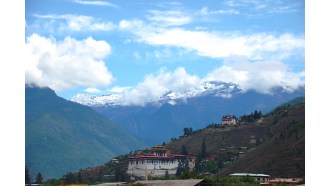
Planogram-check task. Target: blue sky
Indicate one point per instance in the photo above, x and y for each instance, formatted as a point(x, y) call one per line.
point(145, 48)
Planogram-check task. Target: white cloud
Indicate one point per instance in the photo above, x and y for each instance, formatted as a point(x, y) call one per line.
point(247, 3)
point(92, 90)
point(169, 18)
point(98, 3)
point(283, 9)
point(155, 86)
point(76, 23)
point(205, 11)
point(257, 46)
point(266, 7)
point(260, 76)
point(232, 3)
point(163, 53)
point(118, 89)
point(136, 26)
point(62, 65)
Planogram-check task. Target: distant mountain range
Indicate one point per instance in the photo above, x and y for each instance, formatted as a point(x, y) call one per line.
point(160, 119)
point(63, 136)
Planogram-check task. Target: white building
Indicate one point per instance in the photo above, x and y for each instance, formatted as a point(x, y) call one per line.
point(228, 120)
point(156, 163)
point(257, 177)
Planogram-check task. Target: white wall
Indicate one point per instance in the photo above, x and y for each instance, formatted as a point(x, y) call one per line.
point(157, 168)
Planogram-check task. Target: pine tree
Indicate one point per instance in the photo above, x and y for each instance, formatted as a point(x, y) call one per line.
point(70, 178)
point(184, 150)
point(39, 178)
point(79, 177)
point(179, 170)
point(200, 158)
point(203, 150)
point(182, 167)
point(255, 115)
point(27, 176)
point(187, 131)
point(198, 164)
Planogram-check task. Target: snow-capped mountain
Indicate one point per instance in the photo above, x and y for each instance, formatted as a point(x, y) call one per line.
point(214, 88)
point(161, 118)
point(92, 100)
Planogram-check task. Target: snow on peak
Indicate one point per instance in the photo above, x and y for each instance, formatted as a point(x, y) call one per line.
point(214, 88)
point(92, 100)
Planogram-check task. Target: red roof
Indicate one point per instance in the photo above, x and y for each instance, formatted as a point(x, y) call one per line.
point(227, 119)
point(156, 157)
point(180, 155)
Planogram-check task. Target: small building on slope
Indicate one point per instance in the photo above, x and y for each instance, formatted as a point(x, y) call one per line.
point(257, 177)
point(228, 120)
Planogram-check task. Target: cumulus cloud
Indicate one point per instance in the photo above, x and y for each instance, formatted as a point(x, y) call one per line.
point(66, 64)
point(74, 23)
point(155, 86)
point(261, 76)
point(257, 46)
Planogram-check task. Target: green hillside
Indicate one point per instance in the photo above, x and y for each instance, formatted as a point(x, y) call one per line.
point(62, 136)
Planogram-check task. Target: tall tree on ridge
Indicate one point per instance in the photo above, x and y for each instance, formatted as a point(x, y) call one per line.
point(39, 178)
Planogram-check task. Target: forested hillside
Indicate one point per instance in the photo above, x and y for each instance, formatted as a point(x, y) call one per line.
point(62, 136)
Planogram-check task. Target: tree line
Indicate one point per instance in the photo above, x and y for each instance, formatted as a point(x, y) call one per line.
point(252, 117)
point(38, 179)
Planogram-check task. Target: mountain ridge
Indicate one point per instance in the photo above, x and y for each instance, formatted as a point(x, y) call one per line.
point(218, 88)
point(171, 114)
point(206, 88)
point(62, 136)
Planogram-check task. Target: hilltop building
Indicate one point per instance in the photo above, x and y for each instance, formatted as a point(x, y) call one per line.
point(158, 162)
point(228, 120)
